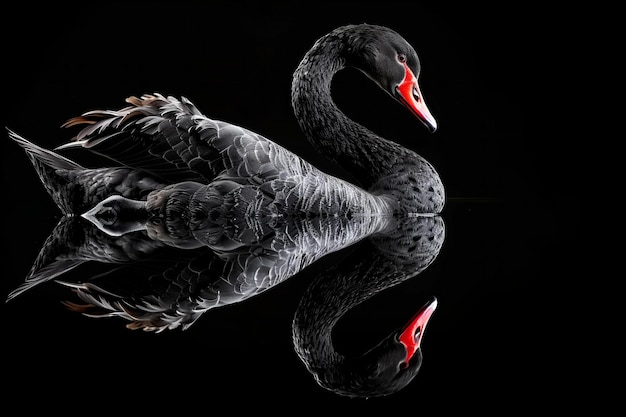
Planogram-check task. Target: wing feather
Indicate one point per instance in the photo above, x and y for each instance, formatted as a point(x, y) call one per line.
point(165, 136)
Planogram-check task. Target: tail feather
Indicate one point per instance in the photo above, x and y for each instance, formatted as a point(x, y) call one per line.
point(43, 156)
point(46, 163)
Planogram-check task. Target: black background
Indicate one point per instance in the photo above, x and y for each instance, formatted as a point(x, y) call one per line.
point(500, 339)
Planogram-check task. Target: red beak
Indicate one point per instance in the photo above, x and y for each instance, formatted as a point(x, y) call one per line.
point(410, 95)
point(411, 336)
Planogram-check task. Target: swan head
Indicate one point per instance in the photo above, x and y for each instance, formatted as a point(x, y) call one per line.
point(387, 367)
point(392, 63)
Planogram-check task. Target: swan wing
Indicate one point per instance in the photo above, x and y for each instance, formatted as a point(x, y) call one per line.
point(169, 138)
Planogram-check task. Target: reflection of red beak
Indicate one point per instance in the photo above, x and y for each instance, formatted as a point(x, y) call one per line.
point(410, 95)
point(411, 336)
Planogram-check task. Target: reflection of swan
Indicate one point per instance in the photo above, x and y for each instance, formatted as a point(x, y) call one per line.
point(191, 182)
point(172, 287)
point(378, 263)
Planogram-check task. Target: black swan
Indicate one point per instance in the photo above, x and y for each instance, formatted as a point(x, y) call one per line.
point(190, 182)
point(212, 214)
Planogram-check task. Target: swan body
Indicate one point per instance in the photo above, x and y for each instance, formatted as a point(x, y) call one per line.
point(229, 182)
point(190, 182)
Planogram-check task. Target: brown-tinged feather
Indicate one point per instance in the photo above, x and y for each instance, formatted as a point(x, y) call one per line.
point(78, 308)
point(133, 100)
point(78, 120)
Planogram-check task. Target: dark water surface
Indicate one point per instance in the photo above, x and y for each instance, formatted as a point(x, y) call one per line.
point(501, 277)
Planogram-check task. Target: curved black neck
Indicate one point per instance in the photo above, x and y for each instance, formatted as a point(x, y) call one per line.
point(349, 144)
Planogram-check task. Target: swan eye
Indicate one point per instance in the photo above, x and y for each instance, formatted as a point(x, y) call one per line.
point(402, 58)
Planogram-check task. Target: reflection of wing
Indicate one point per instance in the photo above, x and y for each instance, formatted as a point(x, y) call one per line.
point(199, 280)
point(178, 295)
point(168, 298)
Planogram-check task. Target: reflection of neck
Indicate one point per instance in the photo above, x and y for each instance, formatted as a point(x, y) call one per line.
point(327, 299)
point(381, 262)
